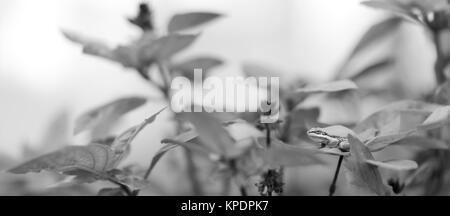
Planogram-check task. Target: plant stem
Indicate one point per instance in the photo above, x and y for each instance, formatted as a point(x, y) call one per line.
point(243, 191)
point(125, 188)
point(268, 138)
point(336, 174)
point(191, 168)
point(192, 173)
point(439, 66)
point(165, 75)
point(435, 182)
point(226, 186)
point(268, 143)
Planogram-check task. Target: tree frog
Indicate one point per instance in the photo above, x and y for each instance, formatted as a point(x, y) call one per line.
point(331, 137)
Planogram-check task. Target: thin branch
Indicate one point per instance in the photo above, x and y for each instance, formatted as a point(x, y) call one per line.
point(122, 186)
point(243, 191)
point(336, 174)
point(440, 63)
point(268, 138)
point(191, 168)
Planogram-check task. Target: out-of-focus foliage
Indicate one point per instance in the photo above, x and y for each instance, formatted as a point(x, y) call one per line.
point(244, 153)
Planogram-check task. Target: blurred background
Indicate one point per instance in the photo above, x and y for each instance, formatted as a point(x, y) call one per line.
point(43, 75)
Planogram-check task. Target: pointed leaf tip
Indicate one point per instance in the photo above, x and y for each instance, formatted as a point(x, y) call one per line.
point(189, 20)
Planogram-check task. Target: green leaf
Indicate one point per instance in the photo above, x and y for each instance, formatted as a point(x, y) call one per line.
point(364, 174)
point(72, 160)
point(442, 93)
point(165, 47)
point(374, 68)
point(186, 136)
point(161, 152)
point(107, 113)
point(375, 33)
point(169, 145)
point(335, 86)
point(368, 134)
point(121, 144)
point(91, 46)
point(413, 112)
point(187, 67)
point(189, 20)
point(380, 142)
point(396, 165)
point(396, 7)
point(422, 143)
point(139, 54)
point(439, 118)
point(127, 55)
point(111, 192)
point(211, 132)
point(194, 147)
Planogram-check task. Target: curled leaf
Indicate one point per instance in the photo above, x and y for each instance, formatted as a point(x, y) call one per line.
point(121, 144)
point(169, 145)
point(186, 136)
point(190, 146)
point(161, 152)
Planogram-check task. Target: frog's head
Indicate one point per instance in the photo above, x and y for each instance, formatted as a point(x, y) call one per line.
point(318, 135)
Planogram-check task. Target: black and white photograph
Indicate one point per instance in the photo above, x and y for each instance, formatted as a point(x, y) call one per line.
point(225, 98)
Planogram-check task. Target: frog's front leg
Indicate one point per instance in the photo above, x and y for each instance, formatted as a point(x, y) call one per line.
point(344, 146)
point(333, 143)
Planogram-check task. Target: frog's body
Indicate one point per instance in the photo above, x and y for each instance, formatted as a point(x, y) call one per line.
point(331, 137)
